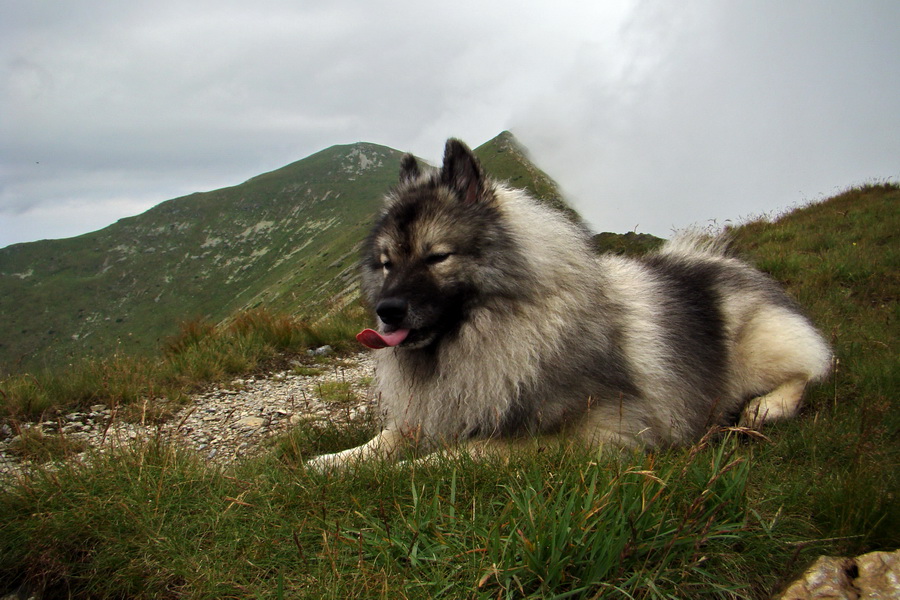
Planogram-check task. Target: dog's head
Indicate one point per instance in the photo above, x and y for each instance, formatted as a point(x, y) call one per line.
point(438, 249)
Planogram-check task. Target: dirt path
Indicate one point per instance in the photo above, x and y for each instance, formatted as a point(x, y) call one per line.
point(224, 424)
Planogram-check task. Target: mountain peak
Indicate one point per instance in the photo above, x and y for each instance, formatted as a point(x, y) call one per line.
point(507, 159)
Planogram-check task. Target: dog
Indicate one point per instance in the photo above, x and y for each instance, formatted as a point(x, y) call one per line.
point(498, 323)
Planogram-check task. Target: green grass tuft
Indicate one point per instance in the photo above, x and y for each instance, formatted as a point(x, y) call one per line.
point(201, 354)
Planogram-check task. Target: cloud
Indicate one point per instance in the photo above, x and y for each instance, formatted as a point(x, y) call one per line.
point(647, 113)
point(741, 109)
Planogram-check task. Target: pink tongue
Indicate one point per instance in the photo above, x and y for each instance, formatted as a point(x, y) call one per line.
point(376, 341)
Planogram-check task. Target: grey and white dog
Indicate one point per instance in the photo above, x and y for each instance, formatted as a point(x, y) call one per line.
point(498, 323)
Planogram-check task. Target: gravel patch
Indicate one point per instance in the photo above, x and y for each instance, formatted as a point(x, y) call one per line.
point(224, 424)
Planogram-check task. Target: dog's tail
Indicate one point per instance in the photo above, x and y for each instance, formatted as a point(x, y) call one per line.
point(691, 243)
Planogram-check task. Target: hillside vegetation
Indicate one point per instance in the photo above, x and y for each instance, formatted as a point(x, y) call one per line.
point(284, 238)
point(735, 516)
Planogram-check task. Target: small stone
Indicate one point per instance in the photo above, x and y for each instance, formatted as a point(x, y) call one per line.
point(879, 573)
point(320, 351)
point(251, 423)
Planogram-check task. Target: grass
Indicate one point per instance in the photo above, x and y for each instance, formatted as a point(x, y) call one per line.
point(735, 516)
point(201, 354)
point(151, 520)
point(336, 392)
point(34, 445)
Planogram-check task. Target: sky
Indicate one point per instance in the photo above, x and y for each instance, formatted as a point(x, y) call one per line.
point(652, 116)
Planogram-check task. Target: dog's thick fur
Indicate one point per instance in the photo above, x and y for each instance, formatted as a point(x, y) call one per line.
point(511, 327)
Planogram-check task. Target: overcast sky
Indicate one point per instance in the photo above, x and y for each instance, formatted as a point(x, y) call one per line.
point(651, 115)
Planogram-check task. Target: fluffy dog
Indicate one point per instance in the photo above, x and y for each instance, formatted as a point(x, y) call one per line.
point(497, 322)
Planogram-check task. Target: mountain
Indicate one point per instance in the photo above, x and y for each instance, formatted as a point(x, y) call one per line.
point(286, 240)
point(630, 243)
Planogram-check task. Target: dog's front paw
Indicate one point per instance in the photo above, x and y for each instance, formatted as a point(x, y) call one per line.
point(325, 463)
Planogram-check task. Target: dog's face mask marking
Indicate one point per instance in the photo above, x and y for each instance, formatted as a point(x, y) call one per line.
point(413, 274)
point(417, 286)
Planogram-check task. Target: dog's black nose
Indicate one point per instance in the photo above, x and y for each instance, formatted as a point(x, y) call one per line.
point(392, 311)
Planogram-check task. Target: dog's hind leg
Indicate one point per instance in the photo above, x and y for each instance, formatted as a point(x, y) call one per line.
point(777, 350)
point(781, 403)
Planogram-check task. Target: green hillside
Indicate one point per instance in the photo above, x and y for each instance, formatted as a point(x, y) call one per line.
point(283, 237)
point(286, 240)
point(630, 243)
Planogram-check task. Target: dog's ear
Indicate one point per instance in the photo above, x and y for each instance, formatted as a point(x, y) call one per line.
point(462, 172)
point(409, 168)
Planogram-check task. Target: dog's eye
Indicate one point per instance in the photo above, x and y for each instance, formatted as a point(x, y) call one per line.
point(436, 258)
point(386, 265)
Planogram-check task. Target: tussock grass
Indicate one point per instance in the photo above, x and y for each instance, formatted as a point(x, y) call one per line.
point(735, 516)
point(201, 354)
point(119, 380)
point(34, 445)
point(150, 520)
point(337, 392)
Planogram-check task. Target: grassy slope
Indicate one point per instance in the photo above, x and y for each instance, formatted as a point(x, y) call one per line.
point(841, 260)
point(733, 519)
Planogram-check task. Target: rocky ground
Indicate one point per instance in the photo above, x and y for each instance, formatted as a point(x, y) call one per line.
point(873, 576)
point(222, 424)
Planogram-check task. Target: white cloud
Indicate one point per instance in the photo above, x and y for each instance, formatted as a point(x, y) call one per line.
point(648, 113)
